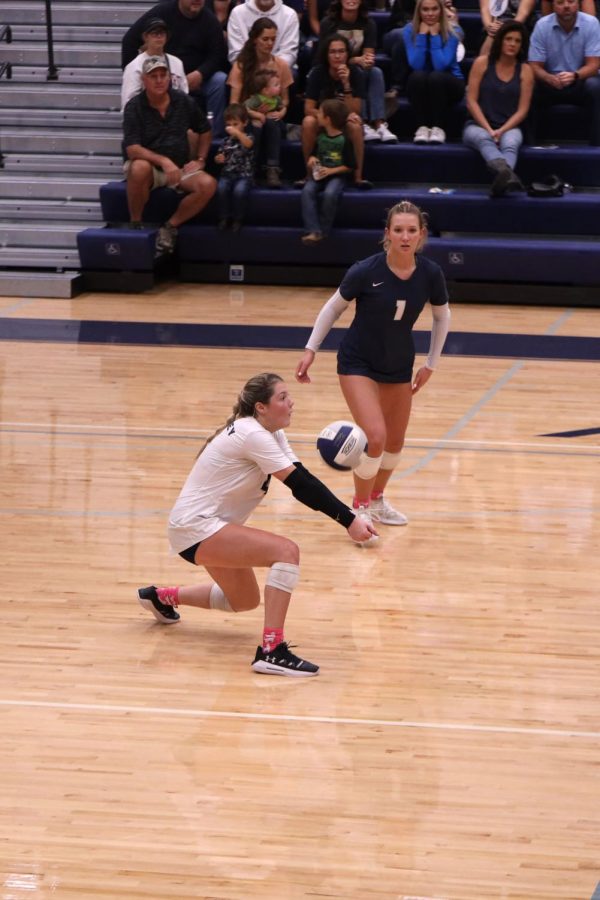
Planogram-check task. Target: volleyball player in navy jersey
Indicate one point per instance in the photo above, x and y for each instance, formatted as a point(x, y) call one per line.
point(376, 356)
point(207, 524)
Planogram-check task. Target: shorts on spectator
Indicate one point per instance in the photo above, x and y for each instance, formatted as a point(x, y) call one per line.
point(160, 177)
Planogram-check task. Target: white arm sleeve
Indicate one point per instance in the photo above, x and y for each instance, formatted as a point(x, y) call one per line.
point(439, 331)
point(329, 314)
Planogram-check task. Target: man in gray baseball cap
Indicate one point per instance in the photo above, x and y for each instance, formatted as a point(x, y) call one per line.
point(166, 140)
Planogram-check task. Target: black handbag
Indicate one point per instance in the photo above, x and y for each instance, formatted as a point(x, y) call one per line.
point(551, 186)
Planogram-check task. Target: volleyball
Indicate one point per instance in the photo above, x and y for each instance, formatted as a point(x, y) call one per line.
point(341, 445)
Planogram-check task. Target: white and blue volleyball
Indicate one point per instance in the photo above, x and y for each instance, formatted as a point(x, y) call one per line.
point(341, 445)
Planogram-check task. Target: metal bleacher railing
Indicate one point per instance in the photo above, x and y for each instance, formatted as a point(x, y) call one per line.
point(52, 70)
point(5, 68)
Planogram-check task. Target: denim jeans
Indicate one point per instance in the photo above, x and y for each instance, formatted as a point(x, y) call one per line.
point(323, 194)
point(478, 139)
point(373, 108)
point(212, 98)
point(268, 142)
point(232, 195)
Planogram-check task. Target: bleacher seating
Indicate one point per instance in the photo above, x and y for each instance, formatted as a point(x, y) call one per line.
point(476, 239)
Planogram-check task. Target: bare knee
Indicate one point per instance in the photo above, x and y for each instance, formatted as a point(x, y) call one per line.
point(288, 552)
point(140, 171)
point(376, 438)
point(245, 602)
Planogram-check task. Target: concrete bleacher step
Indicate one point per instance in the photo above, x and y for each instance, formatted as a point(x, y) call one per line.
point(27, 12)
point(92, 164)
point(53, 95)
point(49, 187)
point(80, 75)
point(59, 140)
point(65, 54)
point(43, 258)
point(69, 33)
point(51, 211)
point(28, 234)
point(61, 118)
point(23, 283)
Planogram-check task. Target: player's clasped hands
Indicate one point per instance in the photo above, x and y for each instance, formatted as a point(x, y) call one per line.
point(360, 530)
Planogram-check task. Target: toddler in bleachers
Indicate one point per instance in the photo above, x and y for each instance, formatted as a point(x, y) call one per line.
point(237, 158)
point(266, 97)
point(329, 164)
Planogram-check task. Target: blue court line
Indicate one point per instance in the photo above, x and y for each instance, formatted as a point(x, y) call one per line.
point(464, 420)
point(275, 337)
point(579, 432)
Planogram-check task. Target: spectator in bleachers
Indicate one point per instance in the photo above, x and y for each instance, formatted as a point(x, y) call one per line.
point(565, 55)
point(161, 128)
point(334, 78)
point(286, 21)
point(494, 13)
point(237, 158)
point(350, 18)
point(257, 54)
point(331, 161)
point(586, 6)
point(435, 82)
point(498, 99)
point(196, 37)
point(316, 10)
point(155, 37)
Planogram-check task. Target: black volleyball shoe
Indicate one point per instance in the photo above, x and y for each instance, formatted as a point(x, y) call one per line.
point(162, 612)
point(281, 661)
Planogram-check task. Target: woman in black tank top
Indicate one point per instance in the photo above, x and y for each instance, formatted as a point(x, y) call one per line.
point(498, 99)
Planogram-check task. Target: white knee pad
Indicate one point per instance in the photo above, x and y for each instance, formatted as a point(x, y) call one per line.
point(283, 576)
point(218, 600)
point(389, 461)
point(368, 466)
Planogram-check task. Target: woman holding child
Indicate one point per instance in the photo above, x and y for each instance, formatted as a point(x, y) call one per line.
point(255, 59)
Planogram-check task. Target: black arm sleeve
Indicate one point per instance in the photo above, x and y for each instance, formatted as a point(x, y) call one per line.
point(312, 492)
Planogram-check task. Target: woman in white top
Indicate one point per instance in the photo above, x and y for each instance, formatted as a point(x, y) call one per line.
point(207, 524)
point(155, 38)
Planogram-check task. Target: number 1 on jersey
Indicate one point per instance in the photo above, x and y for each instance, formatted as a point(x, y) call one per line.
point(400, 307)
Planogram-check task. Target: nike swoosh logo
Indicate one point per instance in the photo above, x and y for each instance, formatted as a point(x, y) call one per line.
point(379, 283)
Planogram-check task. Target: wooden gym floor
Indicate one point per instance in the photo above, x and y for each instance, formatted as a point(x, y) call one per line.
point(449, 748)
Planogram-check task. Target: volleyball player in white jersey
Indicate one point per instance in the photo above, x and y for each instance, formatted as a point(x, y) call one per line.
point(206, 526)
point(376, 356)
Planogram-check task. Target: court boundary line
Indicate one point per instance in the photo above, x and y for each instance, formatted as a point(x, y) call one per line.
point(288, 717)
point(141, 431)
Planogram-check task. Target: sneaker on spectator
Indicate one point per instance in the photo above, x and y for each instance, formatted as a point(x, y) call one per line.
point(385, 134)
point(437, 135)
point(162, 612)
point(166, 238)
point(421, 135)
point(370, 134)
point(281, 661)
point(273, 179)
point(384, 512)
point(365, 513)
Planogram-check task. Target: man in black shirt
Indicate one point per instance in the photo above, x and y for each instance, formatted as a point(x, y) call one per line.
point(196, 37)
point(166, 139)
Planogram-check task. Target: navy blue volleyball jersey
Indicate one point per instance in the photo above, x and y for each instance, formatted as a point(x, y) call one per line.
point(387, 308)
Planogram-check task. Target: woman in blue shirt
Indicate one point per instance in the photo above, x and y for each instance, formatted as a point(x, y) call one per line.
point(377, 353)
point(435, 82)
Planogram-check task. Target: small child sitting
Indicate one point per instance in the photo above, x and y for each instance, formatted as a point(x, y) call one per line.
point(332, 159)
point(237, 158)
point(267, 108)
point(266, 97)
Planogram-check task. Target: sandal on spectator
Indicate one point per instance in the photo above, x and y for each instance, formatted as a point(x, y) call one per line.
point(313, 238)
point(364, 184)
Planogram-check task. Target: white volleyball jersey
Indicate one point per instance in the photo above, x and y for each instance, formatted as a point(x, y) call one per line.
point(228, 480)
